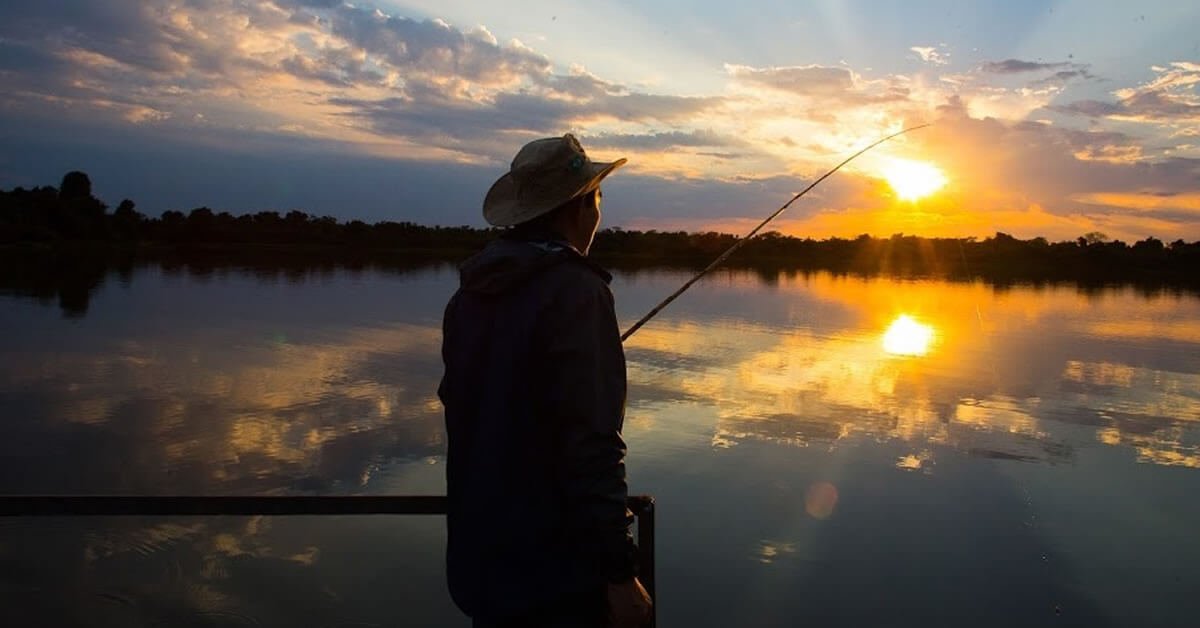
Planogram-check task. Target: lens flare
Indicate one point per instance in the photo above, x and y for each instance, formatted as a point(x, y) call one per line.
point(820, 500)
point(906, 336)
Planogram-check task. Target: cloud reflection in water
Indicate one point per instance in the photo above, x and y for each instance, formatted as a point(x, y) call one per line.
point(1013, 369)
point(223, 413)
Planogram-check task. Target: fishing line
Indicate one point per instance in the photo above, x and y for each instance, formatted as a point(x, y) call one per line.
point(740, 243)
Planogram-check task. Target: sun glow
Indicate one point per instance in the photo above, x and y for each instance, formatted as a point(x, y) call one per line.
point(906, 336)
point(913, 180)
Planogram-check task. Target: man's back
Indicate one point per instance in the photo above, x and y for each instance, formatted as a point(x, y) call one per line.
point(534, 392)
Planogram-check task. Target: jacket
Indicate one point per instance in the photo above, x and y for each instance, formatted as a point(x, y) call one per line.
point(534, 398)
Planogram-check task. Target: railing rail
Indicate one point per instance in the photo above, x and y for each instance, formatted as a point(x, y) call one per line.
point(285, 505)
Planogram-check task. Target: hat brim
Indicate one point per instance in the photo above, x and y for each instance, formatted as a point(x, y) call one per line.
point(502, 208)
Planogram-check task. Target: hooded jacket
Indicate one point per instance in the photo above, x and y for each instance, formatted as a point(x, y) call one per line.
point(534, 397)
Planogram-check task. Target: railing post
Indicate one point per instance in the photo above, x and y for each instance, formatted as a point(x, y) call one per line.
point(643, 507)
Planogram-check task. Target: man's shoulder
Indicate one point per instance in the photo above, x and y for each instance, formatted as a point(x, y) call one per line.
point(578, 274)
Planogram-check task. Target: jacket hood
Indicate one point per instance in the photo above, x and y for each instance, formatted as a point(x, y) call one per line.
point(506, 264)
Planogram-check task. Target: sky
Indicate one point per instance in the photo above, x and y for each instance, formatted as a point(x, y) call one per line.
point(1046, 118)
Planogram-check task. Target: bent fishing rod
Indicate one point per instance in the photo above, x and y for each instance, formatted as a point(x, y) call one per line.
point(740, 243)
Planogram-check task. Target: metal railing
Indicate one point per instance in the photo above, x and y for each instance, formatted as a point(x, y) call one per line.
point(287, 505)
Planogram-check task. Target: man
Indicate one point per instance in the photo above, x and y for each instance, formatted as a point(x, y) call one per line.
point(534, 393)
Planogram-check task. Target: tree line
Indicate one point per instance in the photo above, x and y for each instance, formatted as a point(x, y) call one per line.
point(71, 214)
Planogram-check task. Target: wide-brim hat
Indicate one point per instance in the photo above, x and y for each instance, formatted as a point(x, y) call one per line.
point(545, 174)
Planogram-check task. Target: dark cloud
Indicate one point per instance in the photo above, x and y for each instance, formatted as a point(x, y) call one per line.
point(331, 70)
point(1078, 138)
point(145, 35)
point(581, 85)
point(1170, 98)
point(427, 114)
point(152, 54)
point(1062, 77)
point(1016, 66)
point(1159, 106)
point(123, 60)
point(659, 141)
point(17, 58)
point(28, 70)
point(1090, 108)
point(661, 201)
point(431, 83)
point(245, 171)
point(1148, 106)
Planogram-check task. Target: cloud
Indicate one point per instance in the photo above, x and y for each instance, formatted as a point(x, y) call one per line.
point(932, 54)
point(659, 141)
point(271, 416)
point(1016, 66)
point(433, 47)
point(806, 79)
point(1169, 98)
point(1024, 178)
point(1062, 77)
point(1091, 108)
point(337, 68)
point(273, 79)
point(822, 82)
point(175, 53)
point(1158, 106)
point(489, 128)
point(1112, 153)
point(827, 88)
point(419, 88)
point(1146, 201)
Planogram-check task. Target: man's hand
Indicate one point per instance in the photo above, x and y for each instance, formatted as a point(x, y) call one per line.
point(629, 604)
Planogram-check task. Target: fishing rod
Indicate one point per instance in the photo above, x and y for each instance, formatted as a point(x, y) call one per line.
point(740, 243)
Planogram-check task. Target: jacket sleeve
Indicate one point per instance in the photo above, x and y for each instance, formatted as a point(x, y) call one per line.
point(586, 372)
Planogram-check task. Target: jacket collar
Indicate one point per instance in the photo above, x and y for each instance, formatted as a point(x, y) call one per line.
point(554, 243)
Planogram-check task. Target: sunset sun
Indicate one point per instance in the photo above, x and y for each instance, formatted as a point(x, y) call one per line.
point(913, 180)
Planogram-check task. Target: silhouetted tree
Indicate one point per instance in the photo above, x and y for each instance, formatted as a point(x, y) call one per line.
point(126, 221)
point(125, 209)
point(71, 213)
point(75, 184)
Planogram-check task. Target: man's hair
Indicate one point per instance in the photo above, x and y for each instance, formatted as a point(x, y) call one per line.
point(547, 222)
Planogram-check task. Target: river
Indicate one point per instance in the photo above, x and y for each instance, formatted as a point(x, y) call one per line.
point(834, 449)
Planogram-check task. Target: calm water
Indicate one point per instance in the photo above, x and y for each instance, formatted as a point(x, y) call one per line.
point(1026, 456)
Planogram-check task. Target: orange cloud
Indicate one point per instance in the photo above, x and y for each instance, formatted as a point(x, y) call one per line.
point(1145, 201)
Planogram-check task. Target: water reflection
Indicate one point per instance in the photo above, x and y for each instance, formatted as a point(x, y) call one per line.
point(1013, 370)
point(224, 572)
point(221, 409)
point(791, 450)
point(906, 336)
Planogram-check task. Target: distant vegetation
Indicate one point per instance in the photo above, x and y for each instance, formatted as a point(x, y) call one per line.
point(70, 215)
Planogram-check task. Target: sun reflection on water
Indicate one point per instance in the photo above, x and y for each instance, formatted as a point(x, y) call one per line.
point(906, 336)
point(996, 375)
